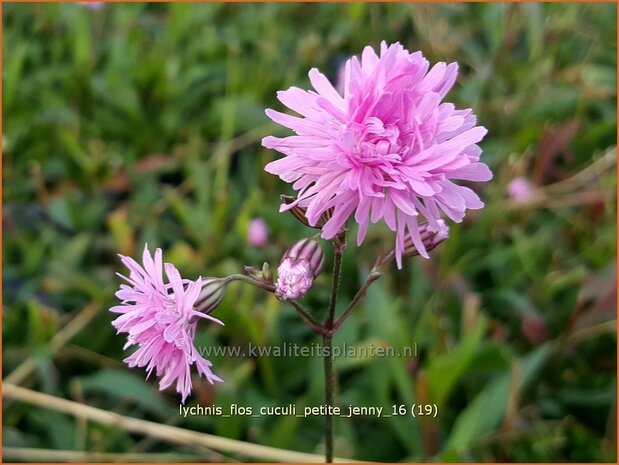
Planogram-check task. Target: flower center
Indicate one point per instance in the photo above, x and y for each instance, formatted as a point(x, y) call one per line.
point(376, 145)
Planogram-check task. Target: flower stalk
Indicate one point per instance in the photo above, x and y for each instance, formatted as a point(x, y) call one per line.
point(339, 244)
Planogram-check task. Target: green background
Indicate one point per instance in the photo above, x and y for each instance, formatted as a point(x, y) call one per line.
point(142, 123)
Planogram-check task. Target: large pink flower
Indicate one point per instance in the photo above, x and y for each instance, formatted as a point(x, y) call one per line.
point(387, 149)
point(161, 320)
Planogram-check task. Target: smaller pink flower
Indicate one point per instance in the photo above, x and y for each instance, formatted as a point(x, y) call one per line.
point(519, 189)
point(161, 319)
point(299, 266)
point(257, 233)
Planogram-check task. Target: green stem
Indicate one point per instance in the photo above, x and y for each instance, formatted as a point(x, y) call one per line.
point(327, 340)
point(338, 244)
point(308, 319)
point(267, 286)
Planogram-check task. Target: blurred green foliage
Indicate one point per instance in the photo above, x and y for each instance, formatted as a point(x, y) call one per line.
point(142, 123)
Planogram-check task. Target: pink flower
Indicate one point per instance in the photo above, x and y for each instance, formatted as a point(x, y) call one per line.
point(387, 149)
point(257, 233)
point(299, 266)
point(161, 319)
point(519, 189)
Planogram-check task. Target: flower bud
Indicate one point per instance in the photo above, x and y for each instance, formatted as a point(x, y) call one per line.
point(299, 212)
point(299, 266)
point(266, 274)
point(261, 274)
point(211, 295)
point(431, 239)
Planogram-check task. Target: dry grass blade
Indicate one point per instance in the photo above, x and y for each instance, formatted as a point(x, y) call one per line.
point(27, 454)
point(164, 432)
point(584, 177)
point(608, 327)
point(539, 199)
point(566, 193)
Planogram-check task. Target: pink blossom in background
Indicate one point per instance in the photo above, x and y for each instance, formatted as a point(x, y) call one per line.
point(161, 320)
point(95, 6)
point(519, 189)
point(340, 79)
point(534, 329)
point(257, 233)
point(387, 149)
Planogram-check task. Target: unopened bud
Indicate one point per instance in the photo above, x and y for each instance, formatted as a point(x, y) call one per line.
point(266, 273)
point(300, 212)
point(299, 266)
point(431, 239)
point(211, 295)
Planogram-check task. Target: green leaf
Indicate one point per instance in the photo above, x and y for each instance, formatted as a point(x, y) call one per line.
point(444, 370)
point(120, 384)
point(487, 409)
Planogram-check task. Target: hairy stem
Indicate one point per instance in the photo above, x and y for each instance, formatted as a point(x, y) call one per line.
point(338, 244)
point(308, 319)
